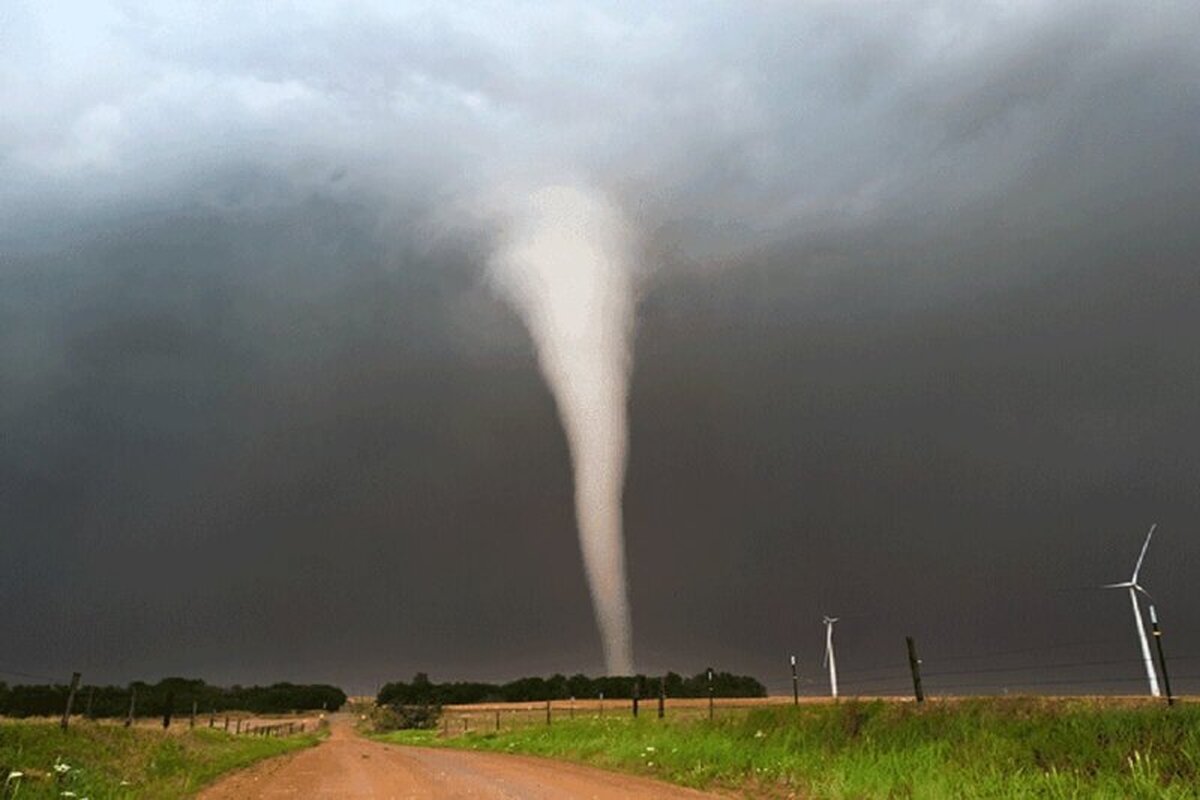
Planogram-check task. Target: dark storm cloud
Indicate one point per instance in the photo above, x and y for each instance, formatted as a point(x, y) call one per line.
point(920, 342)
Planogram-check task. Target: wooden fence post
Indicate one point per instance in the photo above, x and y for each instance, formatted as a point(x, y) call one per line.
point(132, 705)
point(914, 665)
point(710, 694)
point(70, 699)
point(1162, 659)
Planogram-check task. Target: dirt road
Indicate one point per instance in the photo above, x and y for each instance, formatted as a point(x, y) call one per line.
point(348, 766)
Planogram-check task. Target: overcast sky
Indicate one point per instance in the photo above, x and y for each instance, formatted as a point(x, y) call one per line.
point(918, 338)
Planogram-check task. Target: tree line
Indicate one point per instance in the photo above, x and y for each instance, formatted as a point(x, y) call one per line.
point(422, 691)
point(176, 694)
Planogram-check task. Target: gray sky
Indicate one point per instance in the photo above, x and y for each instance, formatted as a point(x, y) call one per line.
point(917, 340)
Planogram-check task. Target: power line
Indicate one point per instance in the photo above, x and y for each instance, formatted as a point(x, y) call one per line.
point(20, 674)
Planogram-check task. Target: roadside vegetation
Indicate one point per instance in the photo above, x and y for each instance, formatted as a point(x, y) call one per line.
point(969, 748)
point(98, 760)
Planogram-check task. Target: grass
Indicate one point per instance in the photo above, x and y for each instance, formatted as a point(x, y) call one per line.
point(111, 761)
point(979, 748)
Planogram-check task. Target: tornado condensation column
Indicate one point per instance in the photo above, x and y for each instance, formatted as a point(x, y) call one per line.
point(564, 263)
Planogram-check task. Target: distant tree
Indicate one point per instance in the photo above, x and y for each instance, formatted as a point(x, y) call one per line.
point(557, 687)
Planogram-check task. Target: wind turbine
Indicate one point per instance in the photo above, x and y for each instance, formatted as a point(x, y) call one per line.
point(1134, 587)
point(829, 659)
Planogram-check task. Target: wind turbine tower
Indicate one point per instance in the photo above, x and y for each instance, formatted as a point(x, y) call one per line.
point(1134, 587)
point(829, 658)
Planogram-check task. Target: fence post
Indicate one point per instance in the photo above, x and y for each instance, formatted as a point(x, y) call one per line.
point(662, 697)
point(710, 694)
point(795, 684)
point(547, 712)
point(497, 720)
point(132, 704)
point(1162, 659)
point(170, 708)
point(914, 664)
point(70, 699)
point(636, 696)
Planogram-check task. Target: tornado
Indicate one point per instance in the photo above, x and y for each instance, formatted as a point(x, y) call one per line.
point(564, 262)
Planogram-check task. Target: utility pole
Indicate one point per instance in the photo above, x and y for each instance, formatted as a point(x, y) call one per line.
point(795, 684)
point(70, 699)
point(914, 665)
point(1162, 659)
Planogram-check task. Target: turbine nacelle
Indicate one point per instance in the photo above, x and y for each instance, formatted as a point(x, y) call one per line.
point(1127, 585)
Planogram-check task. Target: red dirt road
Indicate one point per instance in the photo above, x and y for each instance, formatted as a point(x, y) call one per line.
point(347, 766)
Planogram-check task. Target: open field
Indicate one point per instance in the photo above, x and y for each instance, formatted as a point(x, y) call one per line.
point(484, 717)
point(968, 748)
point(107, 760)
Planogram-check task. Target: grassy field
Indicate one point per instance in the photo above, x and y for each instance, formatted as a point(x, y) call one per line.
point(110, 761)
point(977, 748)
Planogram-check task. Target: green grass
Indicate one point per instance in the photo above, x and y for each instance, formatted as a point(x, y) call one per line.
point(985, 748)
point(111, 761)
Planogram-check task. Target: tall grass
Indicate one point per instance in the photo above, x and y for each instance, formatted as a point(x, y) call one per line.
point(109, 761)
point(979, 748)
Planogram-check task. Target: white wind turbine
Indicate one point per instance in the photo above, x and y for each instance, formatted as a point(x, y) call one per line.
point(829, 659)
point(1134, 587)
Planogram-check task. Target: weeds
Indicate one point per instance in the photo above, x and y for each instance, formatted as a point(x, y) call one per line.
point(38, 760)
point(978, 748)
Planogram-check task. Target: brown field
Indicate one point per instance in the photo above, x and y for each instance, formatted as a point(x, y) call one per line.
point(459, 719)
point(181, 723)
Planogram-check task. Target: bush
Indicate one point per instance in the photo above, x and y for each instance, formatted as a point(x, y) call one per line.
point(406, 717)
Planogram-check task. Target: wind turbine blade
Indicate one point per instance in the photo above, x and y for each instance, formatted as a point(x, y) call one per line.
point(1143, 591)
point(1122, 585)
point(1146, 545)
